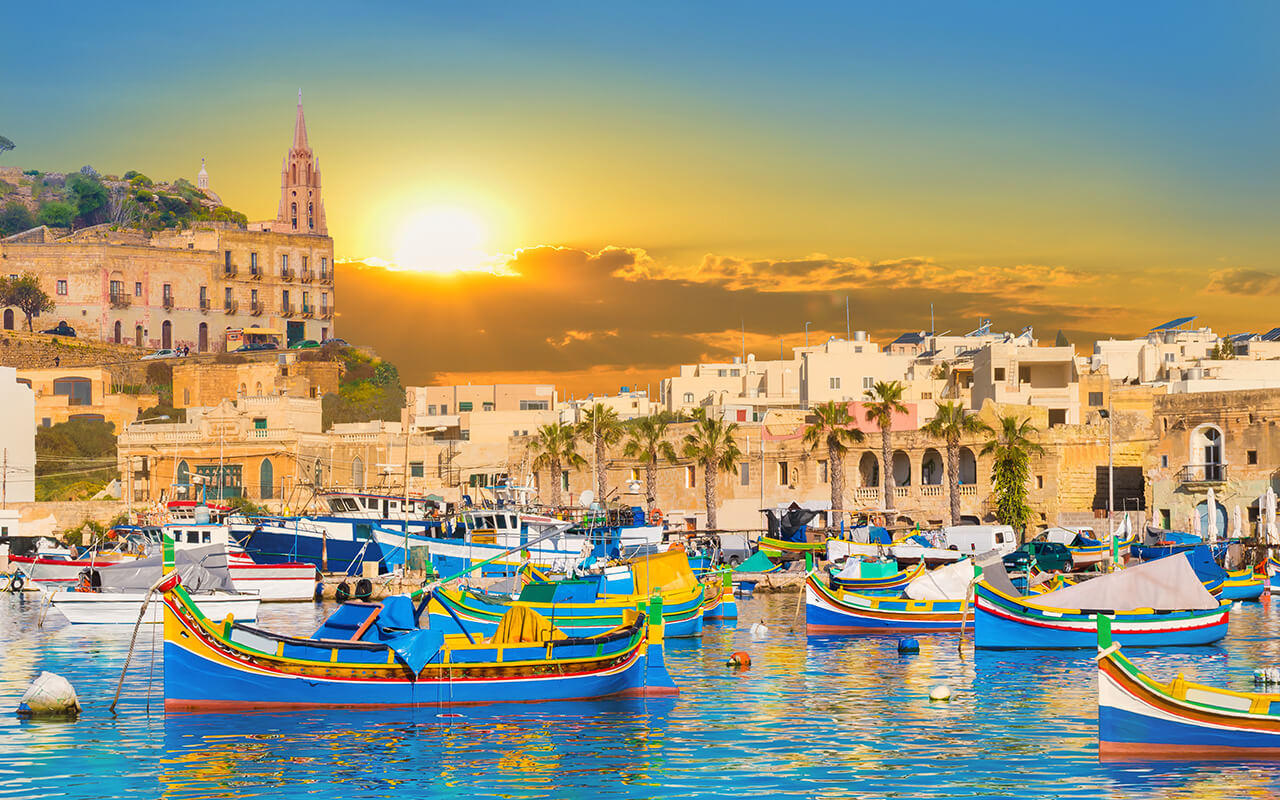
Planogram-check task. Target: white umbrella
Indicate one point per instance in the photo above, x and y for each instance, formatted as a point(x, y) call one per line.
point(1211, 507)
point(1237, 523)
point(1195, 522)
point(1272, 533)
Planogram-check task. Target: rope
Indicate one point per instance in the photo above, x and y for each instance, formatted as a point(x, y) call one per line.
point(133, 640)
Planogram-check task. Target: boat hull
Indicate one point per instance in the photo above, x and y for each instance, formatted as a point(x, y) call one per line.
point(1001, 623)
point(831, 612)
point(682, 616)
point(274, 582)
point(110, 608)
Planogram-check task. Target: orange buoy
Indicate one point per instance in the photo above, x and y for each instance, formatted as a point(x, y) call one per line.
point(740, 659)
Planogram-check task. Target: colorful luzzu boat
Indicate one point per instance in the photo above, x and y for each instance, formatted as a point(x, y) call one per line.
point(1159, 604)
point(1139, 717)
point(1242, 584)
point(774, 548)
point(718, 600)
point(833, 611)
point(583, 607)
point(874, 577)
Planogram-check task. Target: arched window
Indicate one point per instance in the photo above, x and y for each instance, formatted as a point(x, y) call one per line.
point(357, 472)
point(901, 469)
point(184, 474)
point(166, 334)
point(119, 332)
point(293, 214)
point(931, 468)
point(8, 319)
point(968, 467)
point(243, 390)
point(869, 470)
point(137, 336)
point(311, 222)
point(79, 391)
point(265, 479)
point(257, 389)
point(202, 341)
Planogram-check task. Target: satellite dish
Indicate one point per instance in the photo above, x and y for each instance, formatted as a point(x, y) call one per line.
point(586, 497)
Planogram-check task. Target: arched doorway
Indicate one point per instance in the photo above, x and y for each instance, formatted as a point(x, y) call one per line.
point(931, 469)
point(1220, 514)
point(357, 472)
point(901, 469)
point(166, 335)
point(8, 319)
point(869, 470)
point(265, 479)
point(968, 467)
point(202, 340)
point(184, 474)
point(118, 335)
point(137, 336)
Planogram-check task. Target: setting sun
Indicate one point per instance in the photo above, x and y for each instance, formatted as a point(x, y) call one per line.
point(445, 240)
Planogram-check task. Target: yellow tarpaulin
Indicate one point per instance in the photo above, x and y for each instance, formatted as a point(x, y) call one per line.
point(668, 572)
point(523, 624)
point(260, 332)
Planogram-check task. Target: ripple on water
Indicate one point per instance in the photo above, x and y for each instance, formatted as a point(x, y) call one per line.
point(813, 716)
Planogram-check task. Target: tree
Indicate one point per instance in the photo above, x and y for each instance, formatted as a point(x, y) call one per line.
point(884, 399)
point(833, 427)
point(6, 144)
point(601, 427)
point(1061, 340)
point(56, 214)
point(951, 424)
point(15, 218)
point(25, 293)
point(1012, 446)
point(646, 442)
point(554, 447)
point(711, 445)
point(89, 195)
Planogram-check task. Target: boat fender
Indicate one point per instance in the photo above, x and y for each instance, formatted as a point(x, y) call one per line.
point(940, 693)
point(364, 589)
point(319, 591)
point(17, 582)
point(908, 646)
point(342, 593)
point(49, 695)
point(740, 659)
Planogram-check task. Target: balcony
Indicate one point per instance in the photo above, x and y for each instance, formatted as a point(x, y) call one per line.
point(287, 310)
point(167, 302)
point(867, 493)
point(119, 300)
point(326, 277)
point(257, 307)
point(308, 310)
point(229, 271)
point(1202, 474)
point(326, 312)
point(231, 306)
point(255, 273)
point(205, 305)
point(307, 276)
point(286, 274)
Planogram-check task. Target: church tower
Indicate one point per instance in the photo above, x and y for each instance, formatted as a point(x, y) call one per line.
point(301, 207)
point(202, 179)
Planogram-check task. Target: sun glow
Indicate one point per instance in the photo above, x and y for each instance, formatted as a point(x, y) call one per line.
point(446, 240)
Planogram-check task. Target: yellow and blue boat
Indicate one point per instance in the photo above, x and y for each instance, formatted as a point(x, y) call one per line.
point(834, 611)
point(874, 577)
point(1242, 584)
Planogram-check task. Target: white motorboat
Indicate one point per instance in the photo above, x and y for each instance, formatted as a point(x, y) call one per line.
point(121, 608)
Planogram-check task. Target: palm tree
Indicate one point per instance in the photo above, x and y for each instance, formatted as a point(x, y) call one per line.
point(646, 441)
point(951, 424)
point(554, 447)
point(601, 427)
point(833, 426)
point(884, 399)
point(711, 445)
point(1012, 446)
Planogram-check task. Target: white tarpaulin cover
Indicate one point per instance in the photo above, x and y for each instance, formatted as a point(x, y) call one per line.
point(856, 568)
point(950, 582)
point(1166, 584)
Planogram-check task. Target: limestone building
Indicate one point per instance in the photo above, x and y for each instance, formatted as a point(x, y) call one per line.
point(190, 287)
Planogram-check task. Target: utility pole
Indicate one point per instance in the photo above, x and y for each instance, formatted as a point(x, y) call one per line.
point(1111, 475)
point(405, 507)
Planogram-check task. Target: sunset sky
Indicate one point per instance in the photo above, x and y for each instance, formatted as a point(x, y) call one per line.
point(589, 194)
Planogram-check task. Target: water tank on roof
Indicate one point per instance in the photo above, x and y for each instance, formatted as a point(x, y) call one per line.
point(859, 336)
point(1170, 337)
point(202, 515)
point(1193, 374)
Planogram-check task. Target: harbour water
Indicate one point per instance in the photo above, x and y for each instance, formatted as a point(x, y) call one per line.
point(813, 717)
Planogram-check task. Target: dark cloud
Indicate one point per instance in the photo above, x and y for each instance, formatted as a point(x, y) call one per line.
point(1244, 281)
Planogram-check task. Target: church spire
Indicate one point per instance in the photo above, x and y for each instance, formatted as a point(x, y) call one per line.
point(300, 127)
point(301, 206)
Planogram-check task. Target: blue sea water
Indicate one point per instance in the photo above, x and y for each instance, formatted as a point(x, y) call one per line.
point(813, 717)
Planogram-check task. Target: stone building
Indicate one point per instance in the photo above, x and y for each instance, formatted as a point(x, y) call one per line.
point(189, 287)
point(17, 444)
point(207, 384)
point(89, 393)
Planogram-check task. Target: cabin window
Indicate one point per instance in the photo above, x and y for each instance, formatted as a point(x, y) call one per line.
point(206, 537)
point(193, 537)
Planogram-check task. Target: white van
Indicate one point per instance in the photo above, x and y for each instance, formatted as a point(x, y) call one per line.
point(969, 539)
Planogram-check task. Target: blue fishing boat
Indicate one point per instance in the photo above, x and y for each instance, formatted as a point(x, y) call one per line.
point(1161, 544)
point(862, 576)
point(833, 611)
point(1242, 584)
point(1142, 718)
point(1158, 604)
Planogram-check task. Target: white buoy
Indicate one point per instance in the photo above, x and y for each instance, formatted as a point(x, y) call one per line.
point(759, 632)
point(940, 693)
point(49, 695)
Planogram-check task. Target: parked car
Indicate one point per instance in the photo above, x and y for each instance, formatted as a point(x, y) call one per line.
point(335, 341)
point(255, 347)
point(980, 538)
point(61, 329)
point(304, 344)
point(1046, 556)
point(160, 354)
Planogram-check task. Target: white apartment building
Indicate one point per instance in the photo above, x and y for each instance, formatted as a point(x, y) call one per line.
point(1018, 373)
point(17, 439)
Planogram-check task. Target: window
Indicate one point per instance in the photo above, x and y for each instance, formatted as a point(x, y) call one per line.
point(1164, 518)
point(324, 266)
point(137, 289)
point(204, 296)
point(857, 349)
point(690, 478)
point(416, 470)
point(486, 406)
point(999, 374)
point(721, 373)
point(284, 262)
point(733, 373)
point(167, 293)
point(1168, 358)
point(62, 287)
point(444, 409)
point(226, 260)
point(253, 263)
point(464, 406)
point(253, 296)
point(564, 481)
point(635, 473)
point(1057, 416)
point(79, 391)
point(533, 405)
point(868, 382)
point(833, 383)
point(1164, 461)
point(744, 473)
point(227, 296)
point(1251, 456)
point(260, 423)
point(688, 397)
point(1039, 481)
point(304, 263)
point(782, 473)
point(1095, 399)
point(431, 410)
point(823, 476)
point(926, 395)
point(117, 289)
point(1024, 374)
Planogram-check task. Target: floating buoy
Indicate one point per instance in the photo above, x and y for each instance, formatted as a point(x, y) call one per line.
point(740, 659)
point(908, 646)
point(759, 632)
point(319, 591)
point(343, 593)
point(49, 695)
point(940, 693)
